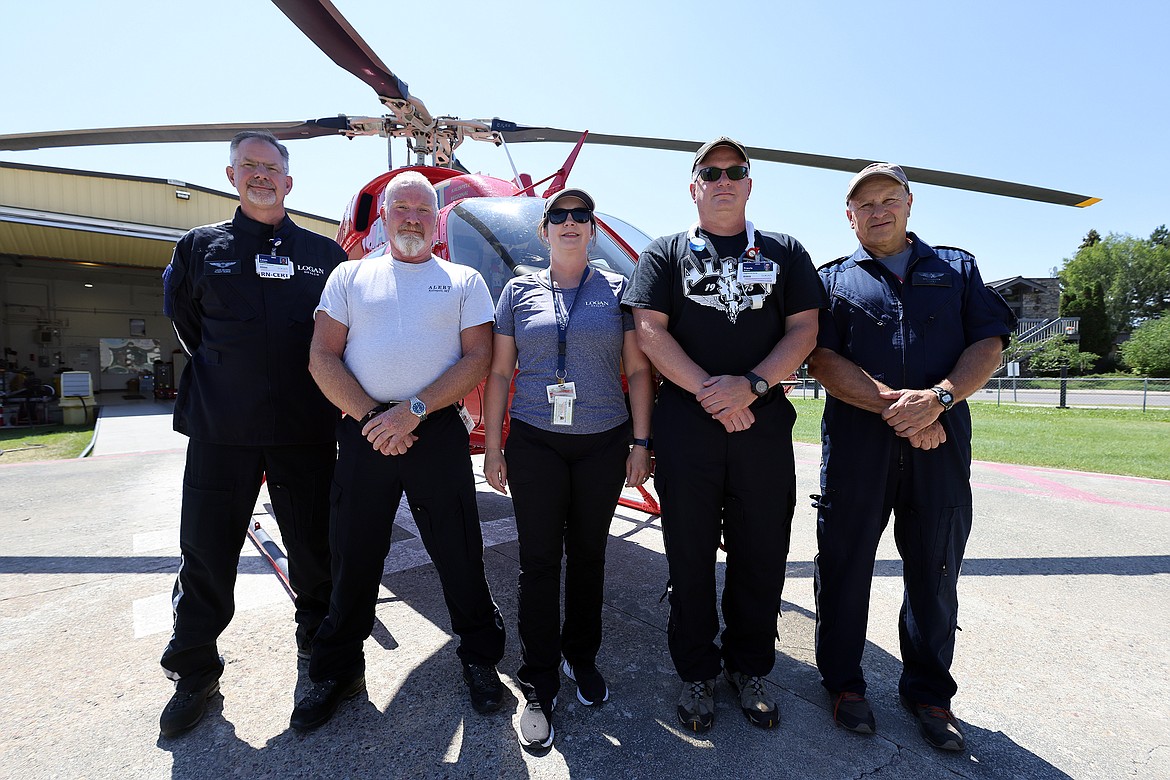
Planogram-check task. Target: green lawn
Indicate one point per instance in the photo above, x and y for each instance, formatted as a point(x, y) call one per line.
point(50, 442)
point(1109, 441)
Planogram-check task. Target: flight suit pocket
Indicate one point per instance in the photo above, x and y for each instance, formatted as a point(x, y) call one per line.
point(221, 300)
point(954, 524)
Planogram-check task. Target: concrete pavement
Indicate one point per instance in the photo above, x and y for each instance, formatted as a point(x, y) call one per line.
point(1063, 661)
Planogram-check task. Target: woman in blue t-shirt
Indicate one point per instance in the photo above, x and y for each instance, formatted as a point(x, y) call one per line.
point(564, 335)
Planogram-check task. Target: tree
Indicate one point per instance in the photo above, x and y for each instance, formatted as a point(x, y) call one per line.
point(1134, 274)
point(1092, 238)
point(1147, 351)
point(1089, 305)
point(1059, 352)
point(1160, 236)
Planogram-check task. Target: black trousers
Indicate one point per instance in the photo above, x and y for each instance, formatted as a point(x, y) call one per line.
point(564, 490)
point(220, 487)
point(435, 473)
point(867, 472)
point(742, 484)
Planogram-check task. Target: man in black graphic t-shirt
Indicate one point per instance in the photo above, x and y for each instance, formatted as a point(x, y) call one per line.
point(725, 312)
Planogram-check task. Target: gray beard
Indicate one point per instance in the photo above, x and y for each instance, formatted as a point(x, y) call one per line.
point(408, 245)
point(261, 197)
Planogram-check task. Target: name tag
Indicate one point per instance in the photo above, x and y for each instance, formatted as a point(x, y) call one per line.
point(221, 267)
point(273, 267)
point(757, 272)
point(931, 279)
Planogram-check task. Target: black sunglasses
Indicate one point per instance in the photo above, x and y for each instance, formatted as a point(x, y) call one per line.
point(711, 173)
point(580, 216)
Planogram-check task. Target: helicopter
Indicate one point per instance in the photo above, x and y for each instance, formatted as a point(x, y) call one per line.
point(484, 221)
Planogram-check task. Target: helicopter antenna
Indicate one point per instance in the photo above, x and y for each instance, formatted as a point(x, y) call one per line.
point(508, 152)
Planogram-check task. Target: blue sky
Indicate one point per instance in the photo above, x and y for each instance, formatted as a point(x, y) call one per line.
point(1067, 95)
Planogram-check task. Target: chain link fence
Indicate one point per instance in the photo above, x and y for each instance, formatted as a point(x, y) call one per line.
point(1133, 393)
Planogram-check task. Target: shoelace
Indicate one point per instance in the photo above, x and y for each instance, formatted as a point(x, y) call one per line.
point(482, 677)
point(756, 684)
point(937, 712)
point(846, 697)
point(178, 703)
point(698, 690)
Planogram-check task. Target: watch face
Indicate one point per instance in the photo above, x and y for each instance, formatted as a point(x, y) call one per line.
point(418, 408)
point(761, 387)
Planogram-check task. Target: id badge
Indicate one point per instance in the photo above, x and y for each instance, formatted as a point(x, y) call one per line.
point(756, 272)
point(465, 416)
point(561, 396)
point(273, 267)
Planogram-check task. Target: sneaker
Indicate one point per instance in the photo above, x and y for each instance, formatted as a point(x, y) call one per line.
point(186, 708)
point(318, 705)
point(754, 699)
point(534, 727)
point(487, 692)
point(696, 705)
point(851, 711)
point(591, 688)
point(938, 726)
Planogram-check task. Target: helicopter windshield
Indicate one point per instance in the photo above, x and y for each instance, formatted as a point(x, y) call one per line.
point(498, 238)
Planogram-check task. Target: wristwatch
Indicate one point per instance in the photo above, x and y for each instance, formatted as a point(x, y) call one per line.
point(944, 397)
point(418, 408)
point(759, 384)
point(647, 444)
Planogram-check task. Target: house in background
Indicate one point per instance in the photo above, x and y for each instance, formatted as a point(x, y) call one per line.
point(1030, 299)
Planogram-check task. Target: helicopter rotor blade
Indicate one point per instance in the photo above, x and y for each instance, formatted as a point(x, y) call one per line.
point(285, 131)
point(514, 133)
point(324, 25)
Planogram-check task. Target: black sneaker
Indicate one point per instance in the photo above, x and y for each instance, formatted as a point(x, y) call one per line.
point(186, 707)
point(487, 692)
point(938, 726)
point(534, 727)
point(318, 705)
point(591, 688)
point(852, 712)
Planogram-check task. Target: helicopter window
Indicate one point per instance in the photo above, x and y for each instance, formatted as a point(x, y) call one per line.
point(498, 238)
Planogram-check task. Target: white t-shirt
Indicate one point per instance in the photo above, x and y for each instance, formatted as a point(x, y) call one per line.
point(404, 320)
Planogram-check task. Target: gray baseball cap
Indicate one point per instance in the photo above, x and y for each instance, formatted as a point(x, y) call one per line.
point(582, 195)
point(877, 169)
point(722, 140)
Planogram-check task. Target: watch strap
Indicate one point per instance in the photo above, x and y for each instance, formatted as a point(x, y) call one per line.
point(945, 397)
point(646, 443)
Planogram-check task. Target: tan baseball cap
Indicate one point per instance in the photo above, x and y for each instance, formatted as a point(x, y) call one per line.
point(877, 169)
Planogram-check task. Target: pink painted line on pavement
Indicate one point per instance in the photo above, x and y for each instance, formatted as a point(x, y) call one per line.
point(1049, 487)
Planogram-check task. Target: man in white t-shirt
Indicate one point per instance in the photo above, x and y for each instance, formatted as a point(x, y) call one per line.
point(400, 338)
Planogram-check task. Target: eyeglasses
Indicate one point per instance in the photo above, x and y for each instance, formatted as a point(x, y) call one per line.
point(889, 204)
point(580, 216)
point(711, 173)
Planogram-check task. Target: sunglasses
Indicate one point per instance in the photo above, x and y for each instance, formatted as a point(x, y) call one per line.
point(711, 173)
point(580, 216)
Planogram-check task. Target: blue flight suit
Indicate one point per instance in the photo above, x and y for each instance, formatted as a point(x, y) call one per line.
point(251, 409)
point(909, 335)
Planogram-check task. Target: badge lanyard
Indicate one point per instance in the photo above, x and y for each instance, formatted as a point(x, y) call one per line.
point(562, 394)
point(751, 266)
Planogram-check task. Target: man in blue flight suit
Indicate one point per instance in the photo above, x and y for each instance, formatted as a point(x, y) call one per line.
point(241, 295)
point(909, 332)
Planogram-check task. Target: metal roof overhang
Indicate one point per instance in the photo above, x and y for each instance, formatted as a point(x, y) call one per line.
point(106, 219)
point(41, 234)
